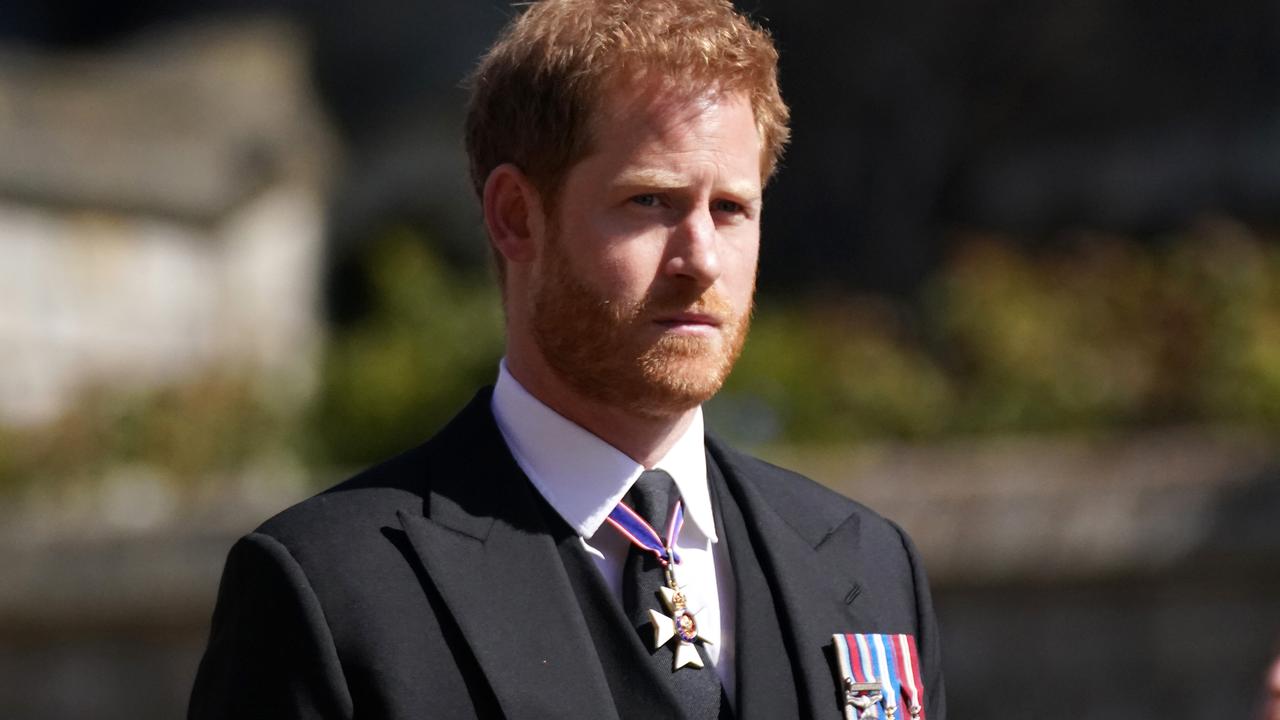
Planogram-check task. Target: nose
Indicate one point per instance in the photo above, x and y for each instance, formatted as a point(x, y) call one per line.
point(693, 249)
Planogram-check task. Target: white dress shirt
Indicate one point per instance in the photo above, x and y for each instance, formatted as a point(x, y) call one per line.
point(582, 477)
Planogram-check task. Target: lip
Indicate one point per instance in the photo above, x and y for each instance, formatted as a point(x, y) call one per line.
point(689, 321)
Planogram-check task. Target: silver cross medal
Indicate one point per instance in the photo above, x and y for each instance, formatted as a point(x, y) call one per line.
point(680, 624)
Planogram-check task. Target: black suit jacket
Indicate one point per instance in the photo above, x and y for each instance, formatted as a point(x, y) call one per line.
point(429, 587)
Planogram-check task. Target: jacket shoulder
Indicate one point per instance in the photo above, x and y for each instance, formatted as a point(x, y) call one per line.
point(451, 463)
point(372, 496)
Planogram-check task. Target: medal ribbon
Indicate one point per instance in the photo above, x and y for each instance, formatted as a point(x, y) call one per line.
point(864, 668)
point(890, 661)
point(908, 661)
point(882, 649)
point(642, 535)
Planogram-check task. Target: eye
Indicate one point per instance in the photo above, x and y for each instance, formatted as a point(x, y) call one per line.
point(647, 200)
point(726, 206)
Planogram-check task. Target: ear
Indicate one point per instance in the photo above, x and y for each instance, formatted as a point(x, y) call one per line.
point(513, 213)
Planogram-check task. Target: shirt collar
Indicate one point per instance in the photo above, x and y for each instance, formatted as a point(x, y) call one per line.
point(581, 476)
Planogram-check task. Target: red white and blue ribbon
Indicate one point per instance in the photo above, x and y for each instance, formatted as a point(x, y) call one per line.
point(890, 664)
point(640, 533)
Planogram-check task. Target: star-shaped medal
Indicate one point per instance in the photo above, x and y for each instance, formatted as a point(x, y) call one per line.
point(679, 624)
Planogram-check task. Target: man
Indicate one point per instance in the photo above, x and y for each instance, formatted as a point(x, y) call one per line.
point(572, 544)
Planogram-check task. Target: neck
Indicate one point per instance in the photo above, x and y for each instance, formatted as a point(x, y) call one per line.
point(645, 439)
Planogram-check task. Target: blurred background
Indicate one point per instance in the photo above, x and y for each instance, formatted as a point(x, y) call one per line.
point(1020, 291)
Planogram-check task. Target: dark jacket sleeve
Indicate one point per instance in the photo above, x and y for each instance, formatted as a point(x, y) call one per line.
point(270, 653)
point(928, 643)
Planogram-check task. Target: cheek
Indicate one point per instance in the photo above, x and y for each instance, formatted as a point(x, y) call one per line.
point(740, 269)
point(631, 261)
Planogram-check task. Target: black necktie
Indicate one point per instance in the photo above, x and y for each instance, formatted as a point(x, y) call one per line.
point(696, 689)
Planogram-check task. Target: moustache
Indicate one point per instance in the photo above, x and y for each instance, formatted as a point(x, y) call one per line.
point(707, 302)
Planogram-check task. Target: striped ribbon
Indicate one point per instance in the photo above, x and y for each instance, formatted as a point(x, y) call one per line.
point(889, 662)
point(641, 534)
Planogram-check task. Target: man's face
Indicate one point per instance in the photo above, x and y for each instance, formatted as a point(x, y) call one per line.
point(642, 295)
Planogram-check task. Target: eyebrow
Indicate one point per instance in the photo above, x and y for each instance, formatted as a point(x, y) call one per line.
point(665, 179)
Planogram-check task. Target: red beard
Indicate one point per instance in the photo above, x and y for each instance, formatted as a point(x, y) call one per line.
point(617, 354)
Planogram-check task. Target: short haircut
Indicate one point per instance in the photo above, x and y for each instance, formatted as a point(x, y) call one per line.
point(537, 90)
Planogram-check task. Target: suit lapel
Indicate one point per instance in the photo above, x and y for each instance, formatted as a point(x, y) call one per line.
point(812, 602)
point(485, 547)
point(766, 686)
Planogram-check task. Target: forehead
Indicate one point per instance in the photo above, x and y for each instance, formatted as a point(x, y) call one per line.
point(638, 118)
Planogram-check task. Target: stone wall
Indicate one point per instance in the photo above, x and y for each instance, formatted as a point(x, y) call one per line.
point(161, 213)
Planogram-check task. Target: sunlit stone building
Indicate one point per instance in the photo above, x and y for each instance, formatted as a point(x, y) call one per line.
point(160, 213)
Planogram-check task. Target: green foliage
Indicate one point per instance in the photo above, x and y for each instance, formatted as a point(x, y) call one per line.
point(211, 425)
point(432, 338)
point(1223, 288)
point(1061, 341)
point(836, 370)
point(1099, 334)
point(1109, 334)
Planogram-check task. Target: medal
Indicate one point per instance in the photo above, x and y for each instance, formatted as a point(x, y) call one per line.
point(860, 699)
point(879, 672)
point(680, 623)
